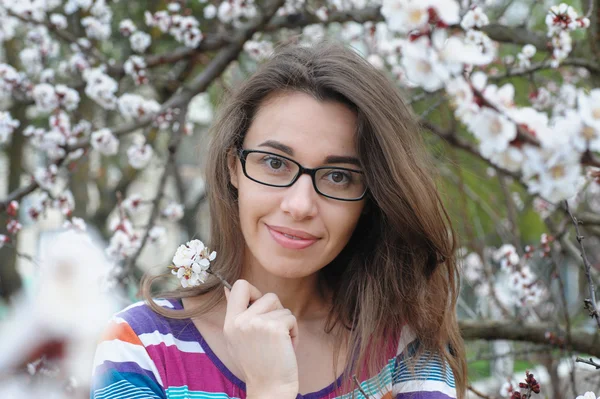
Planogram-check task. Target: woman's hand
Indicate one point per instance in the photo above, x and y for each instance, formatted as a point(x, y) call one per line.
point(261, 339)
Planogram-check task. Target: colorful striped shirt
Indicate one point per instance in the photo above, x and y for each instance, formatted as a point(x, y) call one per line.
point(145, 355)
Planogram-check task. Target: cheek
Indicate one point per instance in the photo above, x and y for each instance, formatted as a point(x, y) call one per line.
point(341, 223)
point(254, 202)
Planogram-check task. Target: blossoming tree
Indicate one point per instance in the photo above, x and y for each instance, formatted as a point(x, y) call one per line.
point(100, 98)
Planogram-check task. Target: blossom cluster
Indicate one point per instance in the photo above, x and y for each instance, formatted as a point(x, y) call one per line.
point(191, 263)
point(185, 29)
point(561, 20)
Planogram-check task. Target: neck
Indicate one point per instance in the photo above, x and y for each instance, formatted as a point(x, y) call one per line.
point(301, 296)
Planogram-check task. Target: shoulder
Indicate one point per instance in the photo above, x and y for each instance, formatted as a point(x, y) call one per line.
point(425, 375)
point(122, 362)
point(140, 323)
point(140, 317)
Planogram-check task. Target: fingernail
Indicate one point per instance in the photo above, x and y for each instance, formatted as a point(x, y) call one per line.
point(226, 292)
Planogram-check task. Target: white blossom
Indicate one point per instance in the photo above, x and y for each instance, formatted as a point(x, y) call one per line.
point(73, 5)
point(210, 11)
point(65, 202)
point(493, 130)
point(139, 155)
point(157, 234)
point(133, 106)
point(104, 141)
point(127, 27)
point(589, 108)
point(59, 21)
point(510, 159)
point(475, 17)
point(122, 245)
point(587, 395)
point(95, 28)
point(258, 50)
point(406, 15)
point(140, 41)
point(7, 126)
point(191, 262)
point(48, 179)
point(132, 203)
point(555, 173)
point(76, 224)
point(472, 268)
point(135, 67)
point(173, 211)
point(101, 88)
point(507, 256)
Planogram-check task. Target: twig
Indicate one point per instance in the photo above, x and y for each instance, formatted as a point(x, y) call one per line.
point(173, 146)
point(565, 308)
point(591, 362)
point(590, 303)
point(575, 62)
point(588, 14)
point(478, 393)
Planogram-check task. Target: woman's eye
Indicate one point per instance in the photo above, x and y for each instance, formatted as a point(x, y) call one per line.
point(275, 163)
point(339, 177)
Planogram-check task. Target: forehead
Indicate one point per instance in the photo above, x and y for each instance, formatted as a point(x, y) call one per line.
point(310, 127)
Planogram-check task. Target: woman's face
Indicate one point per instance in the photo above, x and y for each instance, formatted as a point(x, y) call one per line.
point(297, 126)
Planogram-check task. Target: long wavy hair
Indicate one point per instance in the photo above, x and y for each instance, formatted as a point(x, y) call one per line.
point(399, 267)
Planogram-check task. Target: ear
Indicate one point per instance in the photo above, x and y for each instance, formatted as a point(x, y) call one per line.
point(232, 166)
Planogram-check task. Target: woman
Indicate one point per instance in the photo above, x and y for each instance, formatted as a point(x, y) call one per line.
point(325, 214)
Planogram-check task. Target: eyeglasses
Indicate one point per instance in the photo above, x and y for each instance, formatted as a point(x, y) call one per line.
point(278, 171)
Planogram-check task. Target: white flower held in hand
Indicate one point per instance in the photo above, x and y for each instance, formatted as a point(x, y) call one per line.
point(191, 263)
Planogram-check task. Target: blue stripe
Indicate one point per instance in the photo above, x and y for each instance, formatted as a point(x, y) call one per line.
point(184, 393)
point(115, 385)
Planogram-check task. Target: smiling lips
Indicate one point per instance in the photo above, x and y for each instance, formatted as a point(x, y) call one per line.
point(291, 239)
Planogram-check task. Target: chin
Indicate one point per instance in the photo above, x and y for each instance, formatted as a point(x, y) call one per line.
point(288, 268)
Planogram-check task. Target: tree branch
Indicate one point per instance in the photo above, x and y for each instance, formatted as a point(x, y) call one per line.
point(590, 304)
point(581, 340)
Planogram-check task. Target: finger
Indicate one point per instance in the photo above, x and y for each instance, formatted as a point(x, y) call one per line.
point(276, 314)
point(242, 293)
point(265, 304)
point(288, 319)
point(292, 325)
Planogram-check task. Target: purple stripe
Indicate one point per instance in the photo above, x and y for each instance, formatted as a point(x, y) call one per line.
point(144, 320)
point(124, 367)
point(423, 395)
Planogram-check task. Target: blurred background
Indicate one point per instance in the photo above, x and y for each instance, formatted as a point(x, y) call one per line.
point(105, 110)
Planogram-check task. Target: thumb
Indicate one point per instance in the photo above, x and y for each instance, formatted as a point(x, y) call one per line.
point(226, 293)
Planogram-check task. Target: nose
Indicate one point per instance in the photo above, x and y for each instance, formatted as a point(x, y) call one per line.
point(300, 199)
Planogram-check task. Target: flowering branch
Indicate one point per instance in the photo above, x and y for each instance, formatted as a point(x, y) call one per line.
point(453, 139)
point(63, 35)
point(173, 145)
point(590, 303)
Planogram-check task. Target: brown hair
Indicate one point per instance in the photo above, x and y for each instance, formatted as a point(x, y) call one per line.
point(399, 267)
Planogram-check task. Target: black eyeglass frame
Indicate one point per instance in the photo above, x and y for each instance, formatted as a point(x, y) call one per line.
point(243, 153)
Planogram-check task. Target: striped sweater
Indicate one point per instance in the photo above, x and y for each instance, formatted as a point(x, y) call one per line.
point(145, 355)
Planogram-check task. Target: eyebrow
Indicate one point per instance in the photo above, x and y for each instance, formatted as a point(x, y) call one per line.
point(330, 159)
